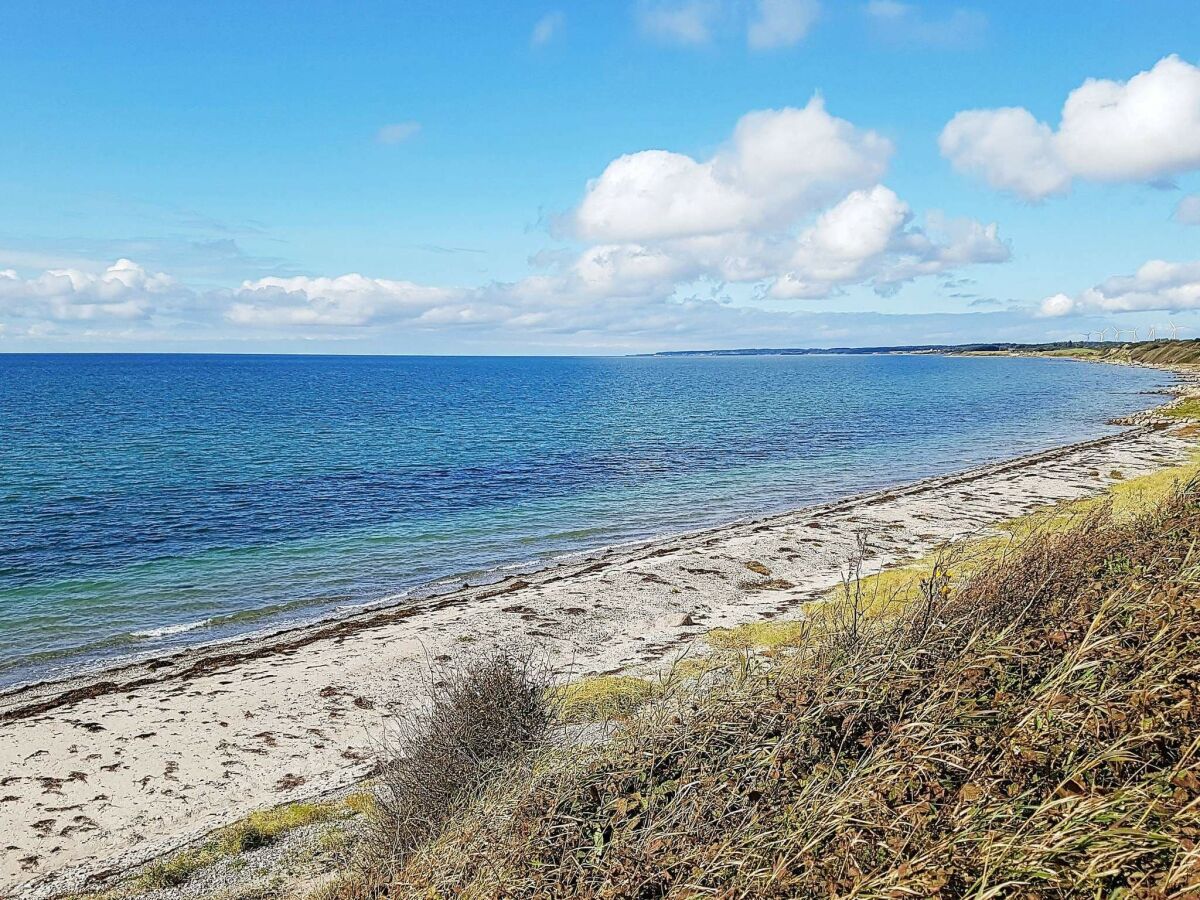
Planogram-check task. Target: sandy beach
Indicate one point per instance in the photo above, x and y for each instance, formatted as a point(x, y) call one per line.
point(107, 771)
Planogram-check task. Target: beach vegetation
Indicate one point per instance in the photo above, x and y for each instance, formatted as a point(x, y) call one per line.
point(1188, 408)
point(361, 802)
point(481, 716)
point(1074, 352)
point(602, 698)
point(259, 829)
point(767, 584)
point(891, 590)
point(266, 826)
point(770, 635)
point(177, 868)
point(1032, 731)
point(694, 668)
point(270, 889)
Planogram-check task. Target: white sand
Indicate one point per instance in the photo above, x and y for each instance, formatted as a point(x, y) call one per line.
point(158, 754)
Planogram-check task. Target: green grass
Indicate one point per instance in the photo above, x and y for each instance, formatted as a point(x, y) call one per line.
point(266, 826)
point(694, 668)
point(773, 635)
point(362, 803)
point(176, 869)
point(259, 829)
point(1186, 409)
point(1074, 352)
point(602, 697)
point(890, 590)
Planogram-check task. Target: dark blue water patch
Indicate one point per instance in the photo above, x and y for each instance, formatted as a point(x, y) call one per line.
point(145, 493)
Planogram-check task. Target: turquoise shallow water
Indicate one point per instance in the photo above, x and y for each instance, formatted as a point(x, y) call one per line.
point(147, 502)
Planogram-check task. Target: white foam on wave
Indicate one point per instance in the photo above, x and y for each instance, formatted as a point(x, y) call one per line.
point(168, 630)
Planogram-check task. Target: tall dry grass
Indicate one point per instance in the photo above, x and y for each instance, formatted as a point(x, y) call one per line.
point(1033, 733)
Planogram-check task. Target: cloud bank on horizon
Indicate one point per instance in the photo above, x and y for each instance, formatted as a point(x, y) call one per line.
point(764, 238)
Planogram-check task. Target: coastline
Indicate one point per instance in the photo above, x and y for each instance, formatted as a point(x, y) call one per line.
point(147, 603)
point(118, 766)
point(77, 669)
point(44, 695)
point(178, 740)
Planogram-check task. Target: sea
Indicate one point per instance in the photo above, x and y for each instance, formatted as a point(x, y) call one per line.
point(151, 502)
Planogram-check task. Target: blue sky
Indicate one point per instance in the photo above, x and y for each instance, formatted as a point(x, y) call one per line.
point(192, 176)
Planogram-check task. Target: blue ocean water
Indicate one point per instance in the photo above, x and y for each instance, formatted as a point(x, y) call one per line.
point(150, 501)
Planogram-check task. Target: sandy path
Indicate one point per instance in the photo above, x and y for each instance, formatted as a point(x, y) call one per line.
point(108, 771)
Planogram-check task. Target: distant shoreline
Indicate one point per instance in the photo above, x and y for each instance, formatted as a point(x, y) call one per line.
point(1182, 351)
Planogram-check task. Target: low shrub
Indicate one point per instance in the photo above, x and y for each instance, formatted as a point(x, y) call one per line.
point(478, 717)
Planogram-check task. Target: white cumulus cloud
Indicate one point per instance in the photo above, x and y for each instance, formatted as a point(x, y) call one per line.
point(791, 203)
point(1009, 149)
point(778, 165)
point(869, 238)
point(1143, 129)
point(124, 290)
point(1157, 285)
point(345, 300)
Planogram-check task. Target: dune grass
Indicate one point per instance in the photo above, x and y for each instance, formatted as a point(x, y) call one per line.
point(891, 590)
point(773, 635)
point(1033, 732)
point(603, 697)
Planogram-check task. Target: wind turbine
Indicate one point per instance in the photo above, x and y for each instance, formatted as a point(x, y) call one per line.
point(1174, 331)
point(1151, 331)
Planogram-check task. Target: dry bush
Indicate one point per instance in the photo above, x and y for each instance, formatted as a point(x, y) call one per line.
point(1033, 733)
point(479, 716)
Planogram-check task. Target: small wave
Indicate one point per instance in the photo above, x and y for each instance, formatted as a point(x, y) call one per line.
point(168, 630)
point(132, 644)
point(275, 609)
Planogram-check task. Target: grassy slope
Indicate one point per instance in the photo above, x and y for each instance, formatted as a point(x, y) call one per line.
point(1151, 352)
point(1173, 353)
point(1166, 352)
point(1033, 731)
